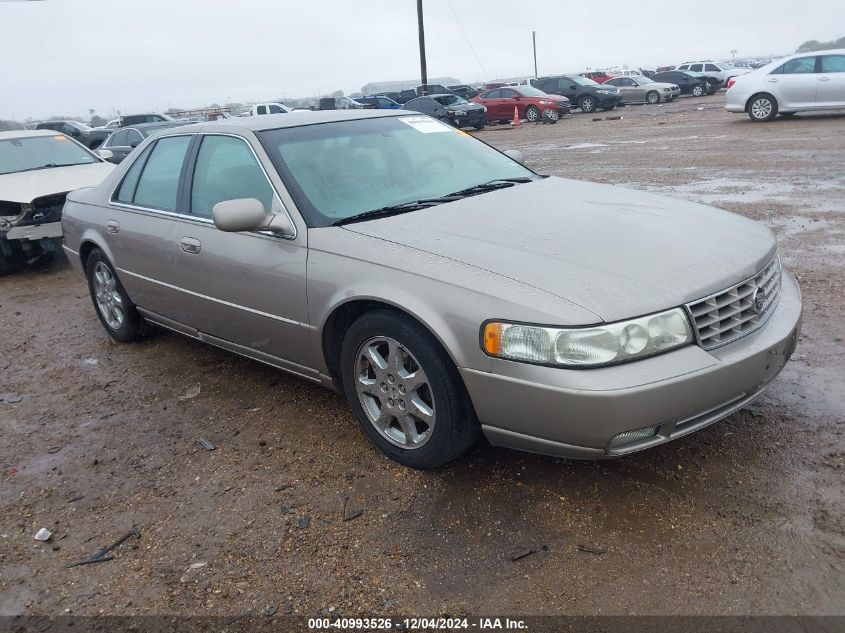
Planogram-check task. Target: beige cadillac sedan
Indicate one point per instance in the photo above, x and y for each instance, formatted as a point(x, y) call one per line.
point(445, 288)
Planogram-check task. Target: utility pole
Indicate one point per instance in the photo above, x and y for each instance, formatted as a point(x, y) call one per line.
point(733, 55)
point(423, 70)
point(534, 43)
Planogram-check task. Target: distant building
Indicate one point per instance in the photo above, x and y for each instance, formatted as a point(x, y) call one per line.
point(379, 87)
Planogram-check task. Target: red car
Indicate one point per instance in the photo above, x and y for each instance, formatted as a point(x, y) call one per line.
point(599, 76)
point(532, 104)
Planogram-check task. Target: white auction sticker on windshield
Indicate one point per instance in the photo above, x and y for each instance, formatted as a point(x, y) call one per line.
point(425, 124)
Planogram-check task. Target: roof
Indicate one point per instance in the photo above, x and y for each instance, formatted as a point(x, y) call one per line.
point(26, 133)
point(153, 126)
point(288, 119)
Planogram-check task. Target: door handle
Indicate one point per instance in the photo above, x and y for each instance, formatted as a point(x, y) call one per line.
point(191, 245)
point(824, 78)
point(113, 226)
point(772, 80)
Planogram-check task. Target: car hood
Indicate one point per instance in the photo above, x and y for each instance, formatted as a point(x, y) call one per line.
point(24, 187)
point(617, 252)
point(466, 107)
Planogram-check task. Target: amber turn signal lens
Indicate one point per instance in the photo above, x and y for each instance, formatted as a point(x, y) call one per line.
point(493, 339)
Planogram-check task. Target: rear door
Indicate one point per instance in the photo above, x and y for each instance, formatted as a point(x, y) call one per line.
point(794, 83)
point(830, 92)
point(243, 289)
point(141, 225)
point(567, 88)
point(119, 145)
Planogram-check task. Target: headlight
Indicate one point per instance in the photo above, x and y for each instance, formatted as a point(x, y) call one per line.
point(605, 92)
point(545, 102)
point(588, 346)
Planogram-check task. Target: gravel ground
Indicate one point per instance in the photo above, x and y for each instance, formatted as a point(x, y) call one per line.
point(745, 517)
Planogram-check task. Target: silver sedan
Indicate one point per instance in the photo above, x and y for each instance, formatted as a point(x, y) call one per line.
point(446, 289)
point(639, 89)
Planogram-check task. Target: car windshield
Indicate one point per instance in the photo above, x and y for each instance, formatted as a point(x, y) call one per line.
point(693, 73)
point(338, 170)
point(583, 81)
point(448, 100)
point(643, 80)
point(41, 152)
point(529, 91)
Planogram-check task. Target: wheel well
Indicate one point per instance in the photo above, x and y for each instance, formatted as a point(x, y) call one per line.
point(759, 94)
point(339, 322)
point(85, 250)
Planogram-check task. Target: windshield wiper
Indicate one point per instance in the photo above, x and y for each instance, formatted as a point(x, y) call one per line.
point(490, 185)
point(47, 166)
point(393, 209)
point(413, 205)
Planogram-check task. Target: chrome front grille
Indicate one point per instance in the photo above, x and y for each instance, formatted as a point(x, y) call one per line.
point(738, 310)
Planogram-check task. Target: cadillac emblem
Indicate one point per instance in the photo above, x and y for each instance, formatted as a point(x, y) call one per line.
point(758, 301)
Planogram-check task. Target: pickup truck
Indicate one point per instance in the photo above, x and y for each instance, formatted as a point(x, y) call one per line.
point(258, 109)
point(90, 137)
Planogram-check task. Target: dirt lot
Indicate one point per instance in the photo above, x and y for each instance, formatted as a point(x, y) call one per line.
point(745, 517)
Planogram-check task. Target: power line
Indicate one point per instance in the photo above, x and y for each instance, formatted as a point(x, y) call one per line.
point(477, 58)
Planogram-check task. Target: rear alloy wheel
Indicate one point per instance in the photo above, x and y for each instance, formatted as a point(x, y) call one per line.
point(532, 114)
point(697, 90)
point(762, 108)
point(405, 391)
point(587, 104)
point(652, 97)
point(115, 310)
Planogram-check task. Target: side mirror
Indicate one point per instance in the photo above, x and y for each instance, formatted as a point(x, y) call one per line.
point(105, 154)
point(515, 97)
point(248, 214)
point(516, 155)
point(134, 144)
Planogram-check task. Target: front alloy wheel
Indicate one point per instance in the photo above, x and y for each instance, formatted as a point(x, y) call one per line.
point(698, 90)
point(405, 390)
point(394, 392)
point(588, 104)
point(652, 97)
point(532, 114)
point(108, 299)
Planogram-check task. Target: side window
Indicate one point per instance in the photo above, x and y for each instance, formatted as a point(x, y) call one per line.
point(696, 67)
point(119, 138)
point(629, 82)
point(711, 67)
point(683, 67)
point(274, 109)
point(799, 66)
point(133, 136)
point(226, 169)
point(493, 94)
point(130, 181)
point(261, 109)
point(507, 94)
point(833, 63)
point(159, 181)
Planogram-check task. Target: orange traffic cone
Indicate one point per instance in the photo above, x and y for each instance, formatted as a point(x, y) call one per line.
point(515, 116)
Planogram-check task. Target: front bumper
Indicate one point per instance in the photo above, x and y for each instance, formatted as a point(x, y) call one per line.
point(34, 232)
point(605, 101)
point(578, 413)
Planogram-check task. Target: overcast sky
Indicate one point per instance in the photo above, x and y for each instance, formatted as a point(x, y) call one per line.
point(66, 56)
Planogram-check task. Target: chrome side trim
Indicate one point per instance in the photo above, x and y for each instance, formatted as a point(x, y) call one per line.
point(214, 299)
point(261, 357)
point(70, 250)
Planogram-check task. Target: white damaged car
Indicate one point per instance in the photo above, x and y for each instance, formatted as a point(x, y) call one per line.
point(37, 170)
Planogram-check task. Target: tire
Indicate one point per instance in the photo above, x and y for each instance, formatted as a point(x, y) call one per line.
point(532, 114)
point(113, 306)
point(762, 107)
point(587, 104)
point(698, 90)
point(652, 97)
point(378, 392)
point(550, 116)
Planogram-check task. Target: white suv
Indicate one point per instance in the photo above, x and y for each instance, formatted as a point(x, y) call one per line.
point(717, 70)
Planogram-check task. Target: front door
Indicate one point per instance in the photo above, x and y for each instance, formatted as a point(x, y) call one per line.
point(243, 288)
point(795, 83)
point(830, 92)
